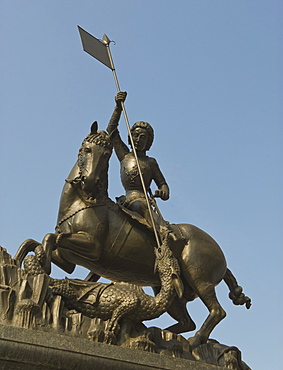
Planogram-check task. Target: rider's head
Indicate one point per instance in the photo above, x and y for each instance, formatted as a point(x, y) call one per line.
point(143, 127)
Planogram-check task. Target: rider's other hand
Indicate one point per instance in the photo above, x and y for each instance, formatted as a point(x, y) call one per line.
point(120, 97)
point(157, 194)
point(162, 193)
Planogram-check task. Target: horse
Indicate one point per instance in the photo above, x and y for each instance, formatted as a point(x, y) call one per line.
point(94, 232)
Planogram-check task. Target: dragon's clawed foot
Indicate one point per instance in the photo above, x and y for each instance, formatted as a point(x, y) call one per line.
point(109, 337)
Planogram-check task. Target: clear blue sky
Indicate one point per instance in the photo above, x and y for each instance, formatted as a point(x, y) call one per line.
point(208, 76)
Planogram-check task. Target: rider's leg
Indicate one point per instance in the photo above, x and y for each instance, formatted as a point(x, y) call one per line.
point(140, 207)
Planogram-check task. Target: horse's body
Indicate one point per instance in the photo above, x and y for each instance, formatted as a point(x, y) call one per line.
point(93, 232)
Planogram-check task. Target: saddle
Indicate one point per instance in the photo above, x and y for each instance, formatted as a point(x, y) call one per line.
point(177, 242)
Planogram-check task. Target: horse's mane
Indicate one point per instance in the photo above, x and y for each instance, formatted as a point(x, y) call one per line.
point(99, 138)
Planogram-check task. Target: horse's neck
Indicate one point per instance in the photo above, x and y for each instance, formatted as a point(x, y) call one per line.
point(72, 193)
point(101, 192)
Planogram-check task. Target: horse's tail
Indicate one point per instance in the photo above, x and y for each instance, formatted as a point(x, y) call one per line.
point(236, 292)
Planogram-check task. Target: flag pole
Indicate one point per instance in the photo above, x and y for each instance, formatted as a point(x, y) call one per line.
point(106, 41)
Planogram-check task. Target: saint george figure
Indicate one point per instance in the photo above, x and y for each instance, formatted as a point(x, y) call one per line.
point(142, 134)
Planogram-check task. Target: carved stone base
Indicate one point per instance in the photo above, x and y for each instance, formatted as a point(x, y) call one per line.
point(31, 350)
point(37, 331)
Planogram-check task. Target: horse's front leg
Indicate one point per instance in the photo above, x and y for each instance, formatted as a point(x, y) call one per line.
point(48, 245)
point(80, 244)
point(42, 251)
point(27, 246)
point(54, 245)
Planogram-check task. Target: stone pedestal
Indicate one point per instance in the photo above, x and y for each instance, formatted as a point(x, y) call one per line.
point(33, 350)
point(38, 331)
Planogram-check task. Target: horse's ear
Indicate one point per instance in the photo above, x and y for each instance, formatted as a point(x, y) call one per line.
point(93, 129)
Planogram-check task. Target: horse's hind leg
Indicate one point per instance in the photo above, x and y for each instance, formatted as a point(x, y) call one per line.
point(178, 311)
point(206, 293)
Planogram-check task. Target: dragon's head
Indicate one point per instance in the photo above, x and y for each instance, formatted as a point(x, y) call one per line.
point(165, 261)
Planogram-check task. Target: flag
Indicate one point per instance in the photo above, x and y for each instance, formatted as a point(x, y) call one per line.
point(95, 47)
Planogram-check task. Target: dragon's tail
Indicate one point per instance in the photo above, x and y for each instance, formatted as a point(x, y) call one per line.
point(236, 292)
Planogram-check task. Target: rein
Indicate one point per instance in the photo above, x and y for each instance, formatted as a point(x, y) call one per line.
point(107, 202)
point(73, 214)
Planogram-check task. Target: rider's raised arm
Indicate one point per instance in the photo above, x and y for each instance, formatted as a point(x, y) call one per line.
point(159, 179)
point(120, 147)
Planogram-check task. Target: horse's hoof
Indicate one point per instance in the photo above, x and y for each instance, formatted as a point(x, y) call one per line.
point(195, 341)
point(182, 327)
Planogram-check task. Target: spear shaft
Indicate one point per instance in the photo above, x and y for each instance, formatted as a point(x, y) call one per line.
point(106, 41)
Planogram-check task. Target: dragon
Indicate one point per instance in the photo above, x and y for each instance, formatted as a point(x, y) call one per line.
point(116, 300)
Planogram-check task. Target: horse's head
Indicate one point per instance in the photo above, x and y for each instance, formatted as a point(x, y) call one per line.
point(93, 159)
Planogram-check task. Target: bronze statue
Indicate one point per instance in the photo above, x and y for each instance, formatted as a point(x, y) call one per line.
point(92, 231)
point(142, 134)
